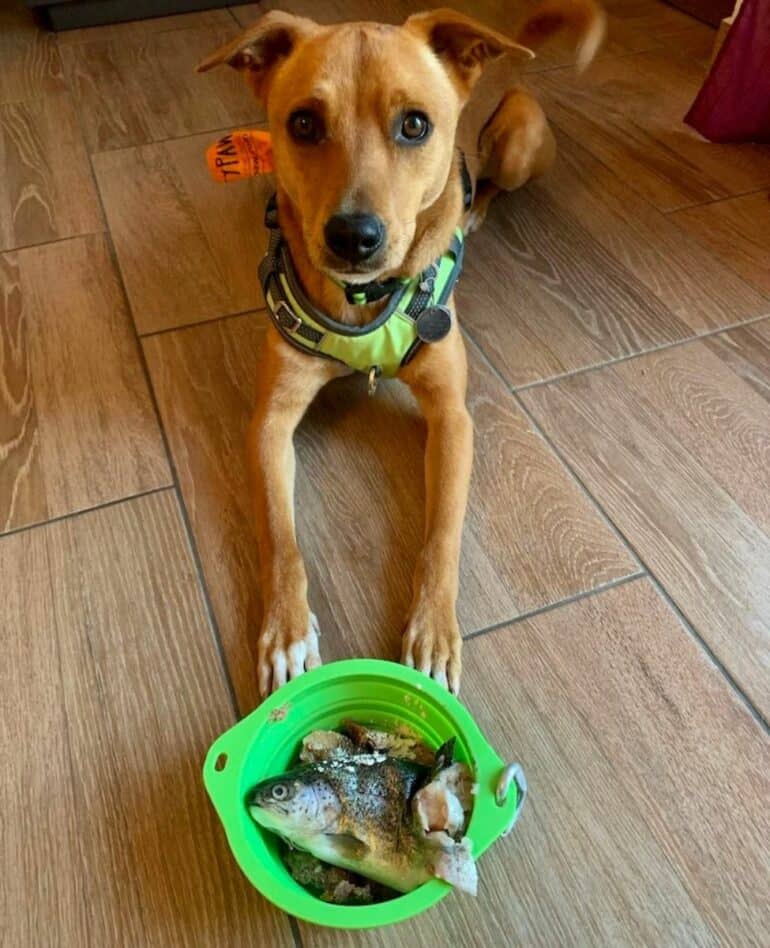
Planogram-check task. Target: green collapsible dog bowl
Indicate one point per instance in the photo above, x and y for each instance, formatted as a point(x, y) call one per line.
point(384, 695)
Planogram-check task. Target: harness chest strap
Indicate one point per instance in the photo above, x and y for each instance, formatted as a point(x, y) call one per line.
point(415, 314)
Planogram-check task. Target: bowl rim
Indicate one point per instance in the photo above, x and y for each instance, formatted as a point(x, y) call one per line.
point(489, 820)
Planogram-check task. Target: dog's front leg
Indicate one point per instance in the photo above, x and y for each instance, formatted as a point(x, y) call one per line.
point(287, 383)
point(438, 378)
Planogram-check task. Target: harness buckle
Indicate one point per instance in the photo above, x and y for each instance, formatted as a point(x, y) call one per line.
point(374, 375)
point(286, 318)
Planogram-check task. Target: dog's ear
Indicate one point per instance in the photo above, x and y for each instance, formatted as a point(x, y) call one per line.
point(463, 44)
point(262, 47)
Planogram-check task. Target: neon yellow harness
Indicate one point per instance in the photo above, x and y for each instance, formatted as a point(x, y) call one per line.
point(416, 312)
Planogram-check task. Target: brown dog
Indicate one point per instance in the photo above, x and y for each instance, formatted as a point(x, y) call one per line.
point(367, 122)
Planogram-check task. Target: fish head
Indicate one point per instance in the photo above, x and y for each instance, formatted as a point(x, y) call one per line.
point(297, 804)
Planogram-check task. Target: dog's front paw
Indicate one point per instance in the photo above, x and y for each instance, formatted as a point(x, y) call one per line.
point(288, 646)
point(432, 643)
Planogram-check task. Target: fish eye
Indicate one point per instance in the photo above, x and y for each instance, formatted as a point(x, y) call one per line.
point(280, 791)
point(413, 128)
point(306, 127)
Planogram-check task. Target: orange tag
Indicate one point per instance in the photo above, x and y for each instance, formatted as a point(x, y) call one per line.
point(240, 154)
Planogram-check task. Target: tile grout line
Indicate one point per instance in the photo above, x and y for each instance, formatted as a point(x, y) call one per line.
point(74, 43)
point(295, 932)
point(630, 547)
point(66, 88)
point(514, 390)
point(720, 200)
point(678, 611)
point(216, 635)
point(54, 240)
point(558, 604)
point(208, 606)
point(600, 58)
point(202, 322)
point(714, 658)
point(663, 214)
point(555, 379)
point(192, 546)
point(73, 514)
point(603, 515)
point(258, 123)
point(547, 441)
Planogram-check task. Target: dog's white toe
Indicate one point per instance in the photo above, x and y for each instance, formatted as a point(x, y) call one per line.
point(432, 644)
point(284, 655)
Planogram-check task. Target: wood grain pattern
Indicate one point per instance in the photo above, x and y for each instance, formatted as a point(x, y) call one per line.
point(138, 29)
point(676, 448)
point(737, 232)
point(381, 11)
point(654, 19)
point(111, 694)
point(187, 246)
point(576, 269)
point(29, 60)
point(644, 825)
point(136, 91)
point(644, 25)
point(331, 11)
point(47, 189)
point(696, 41)
point(631, 28)
point(628, 112)
point(647, 821)
point(531, 537)
point(76, 423)
point(747, 352)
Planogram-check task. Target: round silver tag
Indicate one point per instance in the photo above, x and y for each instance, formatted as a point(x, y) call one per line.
point(433, 323)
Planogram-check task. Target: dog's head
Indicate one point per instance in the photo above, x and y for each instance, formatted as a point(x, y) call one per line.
point(363, 120)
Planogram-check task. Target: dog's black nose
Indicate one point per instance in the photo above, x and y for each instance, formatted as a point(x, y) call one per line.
point(354, 237)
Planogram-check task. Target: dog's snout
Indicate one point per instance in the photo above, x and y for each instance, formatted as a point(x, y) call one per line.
point(354, 237)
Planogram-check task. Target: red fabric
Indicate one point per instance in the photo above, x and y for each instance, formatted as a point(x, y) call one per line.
point(734, 103)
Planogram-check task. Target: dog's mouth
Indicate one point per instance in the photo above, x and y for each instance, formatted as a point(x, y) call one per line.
point(349, 271)
point(360, 271)
point(356, 275)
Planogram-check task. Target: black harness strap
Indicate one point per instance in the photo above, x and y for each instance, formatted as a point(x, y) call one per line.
point(359, 293)
point(465, 175)
point(277, 263)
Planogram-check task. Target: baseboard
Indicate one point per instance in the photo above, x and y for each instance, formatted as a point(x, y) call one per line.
point(72, 14)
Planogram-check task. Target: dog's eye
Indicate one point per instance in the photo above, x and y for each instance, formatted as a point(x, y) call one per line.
point(414, 128)
point(305, 126)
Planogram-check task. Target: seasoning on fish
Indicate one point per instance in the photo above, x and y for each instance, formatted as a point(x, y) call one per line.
point(403, 743)
point(355, 812)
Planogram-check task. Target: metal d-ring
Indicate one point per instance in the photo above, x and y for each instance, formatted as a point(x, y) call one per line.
point(513, 772)
point(374, 376)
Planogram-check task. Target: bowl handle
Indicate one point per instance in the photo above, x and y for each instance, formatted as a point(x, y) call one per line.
point(223, 763)
point(512, 773)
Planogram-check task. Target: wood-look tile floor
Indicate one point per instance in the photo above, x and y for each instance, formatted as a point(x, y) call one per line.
point(615, 579)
